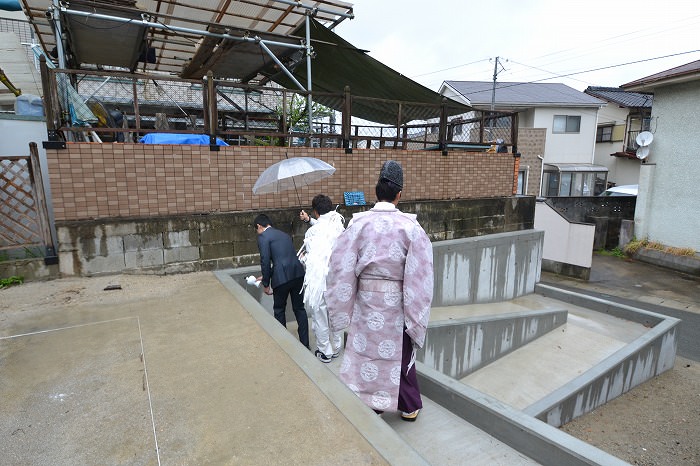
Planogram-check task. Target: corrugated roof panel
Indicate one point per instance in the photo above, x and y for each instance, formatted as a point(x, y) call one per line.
point(258, 16)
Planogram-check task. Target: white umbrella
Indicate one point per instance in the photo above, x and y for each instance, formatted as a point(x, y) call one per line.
point(291, 174)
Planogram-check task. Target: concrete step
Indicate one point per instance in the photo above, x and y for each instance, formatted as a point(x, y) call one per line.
point(442, 437)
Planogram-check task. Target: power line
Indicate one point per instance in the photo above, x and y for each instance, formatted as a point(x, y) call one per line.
point(618, 65)
point(451, 68)
point(583, 72)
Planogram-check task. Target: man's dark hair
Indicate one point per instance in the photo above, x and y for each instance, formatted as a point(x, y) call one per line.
point(262, 220)
point(321, 204)
point(387, 190)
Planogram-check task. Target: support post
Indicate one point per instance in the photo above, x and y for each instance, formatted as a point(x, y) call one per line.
point(283, 124)
point(309, 52)
point(56, 16)
point(514, 133)
point(442, 130)
point(37, 183)
point(347, 120)
point(137, 113)
point(213, 113)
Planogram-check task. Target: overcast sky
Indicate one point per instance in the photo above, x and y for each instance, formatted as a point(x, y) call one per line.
point(439, 40)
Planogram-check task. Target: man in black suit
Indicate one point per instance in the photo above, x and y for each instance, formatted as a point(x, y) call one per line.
point(282, 271)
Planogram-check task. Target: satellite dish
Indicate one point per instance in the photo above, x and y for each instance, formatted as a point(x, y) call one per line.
point(643, 152)
point(644, 138)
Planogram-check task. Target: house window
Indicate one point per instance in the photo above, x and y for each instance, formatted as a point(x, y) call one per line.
point(522, 176)
point(566, 124)
point(604, 133)
point(573, 183)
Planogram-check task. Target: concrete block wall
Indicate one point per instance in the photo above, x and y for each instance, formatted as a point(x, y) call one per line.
point(219, 240)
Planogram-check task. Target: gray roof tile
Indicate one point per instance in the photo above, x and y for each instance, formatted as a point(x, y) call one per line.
point(516, 94)
point(621, 97)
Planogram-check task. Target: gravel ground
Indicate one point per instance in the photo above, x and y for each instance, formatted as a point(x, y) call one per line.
point(658, 422)
point(654, 424)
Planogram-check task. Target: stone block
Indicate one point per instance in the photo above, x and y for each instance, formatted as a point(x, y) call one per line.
point(182, 254)
point(100, 246)
point(121, 229)
point(241, 248)
point(98, 265)
point(184, 238)
point(626, 232)
point(66, 264)
point(141, 242)
point(211, 234)
point(143, 258)
point(65, 239)
point(216, 251)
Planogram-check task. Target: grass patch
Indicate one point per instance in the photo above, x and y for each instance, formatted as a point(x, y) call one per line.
point(616, 252)
point(11, 281)
point(635, 245)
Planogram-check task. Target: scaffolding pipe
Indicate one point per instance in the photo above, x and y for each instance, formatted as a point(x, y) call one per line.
point(151, 24)
point(282, 67)
point(309, 103)
point(315, 8)
point(59, 35)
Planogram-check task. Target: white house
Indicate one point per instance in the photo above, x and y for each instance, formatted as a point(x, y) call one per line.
point(624, 116)
point(667, 209)
point(569, 118)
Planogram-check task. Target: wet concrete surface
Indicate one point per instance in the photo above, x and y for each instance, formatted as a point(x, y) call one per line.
point(646, 286)
point(167, 370)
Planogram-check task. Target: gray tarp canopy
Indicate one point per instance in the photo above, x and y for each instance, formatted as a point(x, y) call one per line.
point(338, 63)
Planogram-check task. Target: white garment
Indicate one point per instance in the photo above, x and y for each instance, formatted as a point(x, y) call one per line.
point(318, 245)
point(327, 342)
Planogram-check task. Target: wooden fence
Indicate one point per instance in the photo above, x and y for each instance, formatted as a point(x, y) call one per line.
point(24, 223)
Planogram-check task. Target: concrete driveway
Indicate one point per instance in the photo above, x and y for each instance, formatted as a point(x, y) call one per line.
point(166, 370)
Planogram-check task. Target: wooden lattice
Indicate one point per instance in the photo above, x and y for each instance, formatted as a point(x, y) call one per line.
point(23, 219)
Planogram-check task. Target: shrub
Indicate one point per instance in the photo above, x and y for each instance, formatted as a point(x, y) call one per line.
point(10, 281)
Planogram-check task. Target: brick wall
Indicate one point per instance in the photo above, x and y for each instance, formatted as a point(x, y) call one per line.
point(530, 145)
point(97, 181)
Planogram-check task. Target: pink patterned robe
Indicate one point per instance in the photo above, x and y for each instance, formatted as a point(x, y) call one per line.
point(380, 281)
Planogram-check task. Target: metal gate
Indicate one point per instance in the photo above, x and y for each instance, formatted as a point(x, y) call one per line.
point(24, 221)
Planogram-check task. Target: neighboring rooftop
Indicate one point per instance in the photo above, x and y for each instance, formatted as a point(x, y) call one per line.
point(688, 72)
point(519, 94)
point(621, 97)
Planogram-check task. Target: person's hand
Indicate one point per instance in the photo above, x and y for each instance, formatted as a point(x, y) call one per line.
point(268, 290)
point(304, 217)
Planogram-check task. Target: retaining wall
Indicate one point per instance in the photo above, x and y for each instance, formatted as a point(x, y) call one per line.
point(214, 241)
point(646, 357)
point(487, 269)
point(461, 346)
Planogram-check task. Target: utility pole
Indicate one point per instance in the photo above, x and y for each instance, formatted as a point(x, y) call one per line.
point(493, 94)
point(493, 90)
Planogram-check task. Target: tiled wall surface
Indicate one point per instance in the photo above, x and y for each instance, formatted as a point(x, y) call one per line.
point(94, 181)
point(531, 144)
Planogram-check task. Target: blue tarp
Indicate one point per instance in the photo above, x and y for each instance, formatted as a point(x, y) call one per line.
point(171, 138)
point(10, 5)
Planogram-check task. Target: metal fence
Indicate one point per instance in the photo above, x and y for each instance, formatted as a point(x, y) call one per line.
point(119, 107)
point(23, 30)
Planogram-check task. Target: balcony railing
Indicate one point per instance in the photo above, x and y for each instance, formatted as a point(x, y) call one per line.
point(124, 107)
